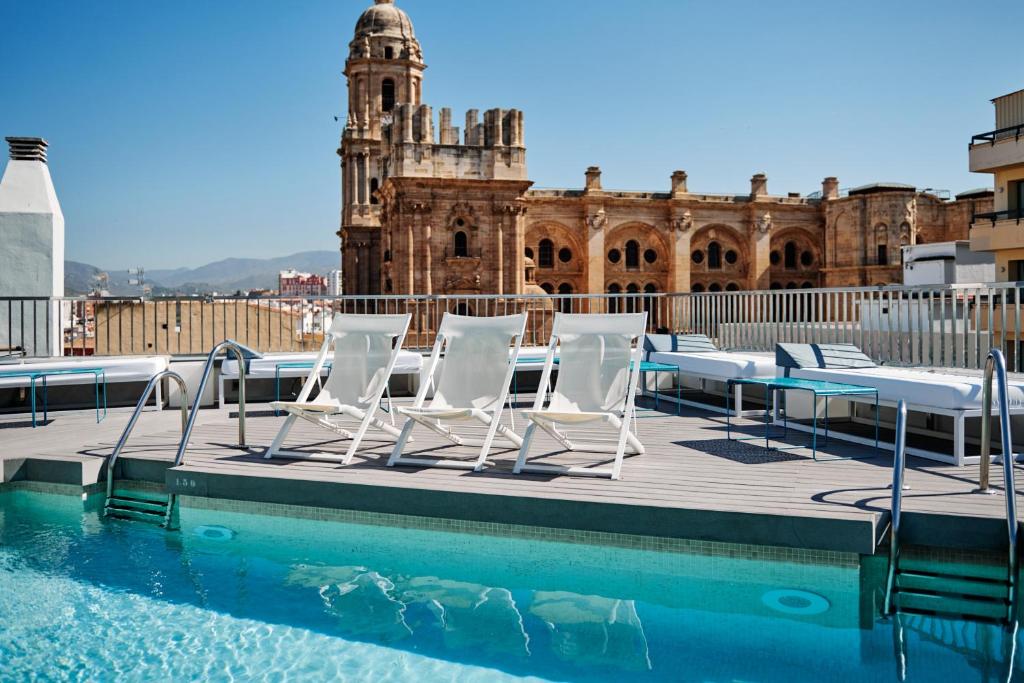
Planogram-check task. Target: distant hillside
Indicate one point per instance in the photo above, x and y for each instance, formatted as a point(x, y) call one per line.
point(79, 278)
point(225, 276)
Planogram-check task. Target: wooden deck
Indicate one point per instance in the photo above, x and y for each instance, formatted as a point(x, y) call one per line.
point(691, 483)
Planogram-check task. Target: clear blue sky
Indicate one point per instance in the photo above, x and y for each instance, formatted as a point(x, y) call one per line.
point(184, 132)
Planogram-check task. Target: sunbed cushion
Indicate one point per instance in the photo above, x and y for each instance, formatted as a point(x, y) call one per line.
point(796, 356)
point(919, 388)
point(842, 356)
point(684, 343)
point(117, 369)
point(720, 365)
point(407, 363)
point(821, 356)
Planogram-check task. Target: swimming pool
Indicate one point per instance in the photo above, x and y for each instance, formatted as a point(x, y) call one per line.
point(237, 596)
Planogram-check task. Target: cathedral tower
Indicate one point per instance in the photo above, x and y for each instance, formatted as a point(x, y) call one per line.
point(384, 70)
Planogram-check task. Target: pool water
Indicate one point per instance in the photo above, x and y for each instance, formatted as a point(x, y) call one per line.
point(248, 597)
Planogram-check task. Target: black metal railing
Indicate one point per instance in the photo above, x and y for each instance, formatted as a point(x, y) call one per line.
point(996, 216)
point(1001, 134)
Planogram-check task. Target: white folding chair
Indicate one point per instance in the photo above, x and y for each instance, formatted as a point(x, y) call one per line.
point(471, 383)
point(598, 371)
point(365, 350)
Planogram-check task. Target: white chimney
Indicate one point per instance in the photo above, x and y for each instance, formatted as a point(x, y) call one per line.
point(31, 250)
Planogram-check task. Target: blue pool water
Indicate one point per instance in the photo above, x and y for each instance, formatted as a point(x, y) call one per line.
point(248, 597)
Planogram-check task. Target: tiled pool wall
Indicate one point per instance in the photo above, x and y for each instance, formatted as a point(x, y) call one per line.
point(500, 530)
point(93, 494)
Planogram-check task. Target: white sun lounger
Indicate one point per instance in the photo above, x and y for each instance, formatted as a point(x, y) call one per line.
point(598, 371)
point(365, 350)
point(697, 357)
point(471, 385)
point(931, 392)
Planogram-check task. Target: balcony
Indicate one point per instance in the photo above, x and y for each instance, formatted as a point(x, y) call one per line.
point(997, 149)
point(997, 230)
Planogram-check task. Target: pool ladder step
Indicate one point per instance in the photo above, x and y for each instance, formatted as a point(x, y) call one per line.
point(137, 505)
point(942, 592)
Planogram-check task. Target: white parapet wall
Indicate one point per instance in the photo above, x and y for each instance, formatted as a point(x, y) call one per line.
point(31, 251)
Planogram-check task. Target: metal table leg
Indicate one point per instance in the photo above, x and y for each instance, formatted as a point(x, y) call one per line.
point(277, 387)
point(679, 392)
point(32, 398)
point(728, 421)
point(46, 403)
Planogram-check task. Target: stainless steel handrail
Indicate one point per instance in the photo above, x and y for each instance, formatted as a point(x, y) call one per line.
point(135, 418)
point(207, 370)
point(995, 363)
point(899, 466)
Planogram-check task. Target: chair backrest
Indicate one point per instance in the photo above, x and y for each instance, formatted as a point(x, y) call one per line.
point(365, 350)
point(477, 369)
point(595, 353)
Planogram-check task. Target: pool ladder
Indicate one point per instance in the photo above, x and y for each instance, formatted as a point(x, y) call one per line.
point(987, 593)
point(159, 507)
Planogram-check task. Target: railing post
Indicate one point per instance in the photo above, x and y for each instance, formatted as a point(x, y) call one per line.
point(986, 428)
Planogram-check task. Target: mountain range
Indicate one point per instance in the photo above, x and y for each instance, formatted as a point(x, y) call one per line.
point(225, 276)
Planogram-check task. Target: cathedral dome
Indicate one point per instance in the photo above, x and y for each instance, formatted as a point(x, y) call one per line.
point(384, 20)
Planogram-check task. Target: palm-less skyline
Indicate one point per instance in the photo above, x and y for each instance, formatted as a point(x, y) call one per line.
point(184, 133)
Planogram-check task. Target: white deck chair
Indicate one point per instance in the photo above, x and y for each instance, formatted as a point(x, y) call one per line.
point(471, 386)
point(598, 371)
point(365, 350)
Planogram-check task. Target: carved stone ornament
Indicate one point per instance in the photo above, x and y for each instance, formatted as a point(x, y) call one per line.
point(683, 222)
point(461, 210)
point(764, 223)
point(598, 221)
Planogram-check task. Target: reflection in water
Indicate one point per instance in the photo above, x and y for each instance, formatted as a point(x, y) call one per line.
point(593, 630)
point(583, 629)
point(361, 598)
point(986, 647)
point(471, 615)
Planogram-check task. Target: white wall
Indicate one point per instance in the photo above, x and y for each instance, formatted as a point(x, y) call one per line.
point(31, 257)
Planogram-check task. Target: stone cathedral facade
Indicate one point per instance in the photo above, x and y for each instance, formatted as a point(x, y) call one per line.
point(429, 208)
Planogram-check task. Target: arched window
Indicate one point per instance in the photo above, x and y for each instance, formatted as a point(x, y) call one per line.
point(613, 301)
point(632, 254)
point(775, 285)
point(389, 52)
point(374, 186)
point(387, 94)
point(883, 254)
point(546, 254)
point(732, 287)
point(807, 285)
point(714, 287)
point(790, 255)
point(548, 287)
point(566, 303)
point(461, 244)
point(714, 256)
point(528, 253)
point(632, 304)
point(697, 288)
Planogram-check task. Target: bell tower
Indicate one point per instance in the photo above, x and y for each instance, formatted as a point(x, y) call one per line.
point(384, 69)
